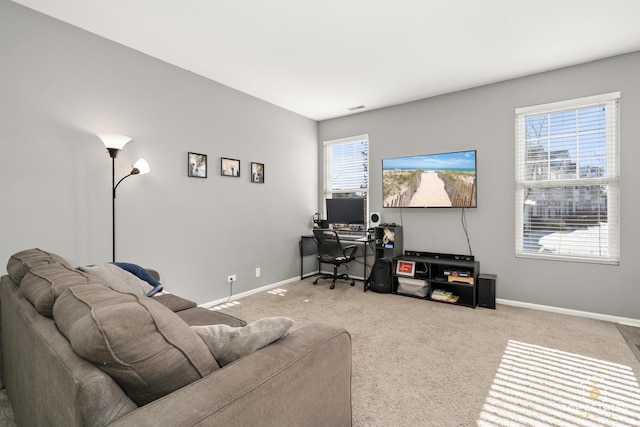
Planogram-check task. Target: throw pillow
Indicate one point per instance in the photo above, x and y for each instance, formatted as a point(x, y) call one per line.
point(21, 262)
point(42, 285)
point(228, 343)
point(145, 347)
point(118, 279)
point(142, 274)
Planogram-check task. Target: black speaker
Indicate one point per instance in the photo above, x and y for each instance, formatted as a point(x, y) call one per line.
point(487, 290)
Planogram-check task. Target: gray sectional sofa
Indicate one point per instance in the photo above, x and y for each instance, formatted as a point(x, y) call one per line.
point(77, 352)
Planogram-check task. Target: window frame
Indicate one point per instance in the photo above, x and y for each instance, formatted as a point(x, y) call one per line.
point(610, 179)
point(327, 188)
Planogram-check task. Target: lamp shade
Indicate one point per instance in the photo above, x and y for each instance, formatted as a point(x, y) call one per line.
point(142, 166)
point(114, 141)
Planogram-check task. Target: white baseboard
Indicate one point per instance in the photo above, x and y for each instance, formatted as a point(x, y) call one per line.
point(247, 293)
point(606, 317)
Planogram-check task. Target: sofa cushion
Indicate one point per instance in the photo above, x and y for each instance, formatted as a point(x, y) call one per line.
point(174, 302)
point(228, 343)
point(139, 342)
point(142, 274)
point(43, 284)
point(21, 262)
point(200, 316)
point(118, 279)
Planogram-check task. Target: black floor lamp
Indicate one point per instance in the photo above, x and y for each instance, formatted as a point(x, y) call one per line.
point(114, 144)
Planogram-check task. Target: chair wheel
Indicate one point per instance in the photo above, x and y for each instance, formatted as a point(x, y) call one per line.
point(353, 283)
point(333, 286)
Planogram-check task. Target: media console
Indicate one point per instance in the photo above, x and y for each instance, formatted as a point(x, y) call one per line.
point(444, 278)
point(438, 255)
point(448, 278)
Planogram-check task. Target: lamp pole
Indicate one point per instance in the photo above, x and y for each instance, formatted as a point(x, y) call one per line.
point(113, 152)
point(113, 208)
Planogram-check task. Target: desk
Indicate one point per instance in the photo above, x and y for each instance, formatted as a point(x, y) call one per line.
point(308, 247)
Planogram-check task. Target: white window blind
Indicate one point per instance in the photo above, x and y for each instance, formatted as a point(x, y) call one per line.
point(567, 180)
point(346, 169)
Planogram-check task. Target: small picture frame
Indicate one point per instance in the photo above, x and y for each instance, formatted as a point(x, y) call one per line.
point(197, 165)
point(257, 173)
point(229, 167)
point(406, 268)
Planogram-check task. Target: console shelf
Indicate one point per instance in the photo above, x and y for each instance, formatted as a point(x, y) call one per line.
point(456, 278)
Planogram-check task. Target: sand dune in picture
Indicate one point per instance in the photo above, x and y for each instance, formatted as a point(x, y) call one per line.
point(431, 191)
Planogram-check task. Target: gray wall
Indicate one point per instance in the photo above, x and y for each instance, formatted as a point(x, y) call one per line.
point(483, 119)
point(60, 85)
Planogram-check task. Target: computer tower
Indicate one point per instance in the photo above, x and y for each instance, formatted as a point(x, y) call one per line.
point(487, 290)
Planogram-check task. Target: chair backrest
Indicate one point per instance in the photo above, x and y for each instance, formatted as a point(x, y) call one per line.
point(329, 246)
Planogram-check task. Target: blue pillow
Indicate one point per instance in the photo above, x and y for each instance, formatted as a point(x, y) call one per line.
point(142, 274)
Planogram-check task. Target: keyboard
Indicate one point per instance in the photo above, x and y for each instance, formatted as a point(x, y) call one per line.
point(352, 236)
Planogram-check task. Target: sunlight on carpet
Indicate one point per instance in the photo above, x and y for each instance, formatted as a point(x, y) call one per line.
point(539, 386)
point(225, 305)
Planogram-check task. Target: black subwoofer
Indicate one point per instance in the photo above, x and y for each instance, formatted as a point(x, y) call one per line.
point(487, 290)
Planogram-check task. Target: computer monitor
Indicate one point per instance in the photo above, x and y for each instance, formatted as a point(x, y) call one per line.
point(346, 210)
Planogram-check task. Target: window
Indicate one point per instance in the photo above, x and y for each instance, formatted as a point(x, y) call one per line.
point(567, 180)
point(346, 170)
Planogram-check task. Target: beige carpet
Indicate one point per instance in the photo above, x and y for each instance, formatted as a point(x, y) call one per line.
point(421, 363)
point(632, 336)
point(6, 414)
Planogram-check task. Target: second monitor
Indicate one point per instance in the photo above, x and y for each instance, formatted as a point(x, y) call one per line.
point(346, 211)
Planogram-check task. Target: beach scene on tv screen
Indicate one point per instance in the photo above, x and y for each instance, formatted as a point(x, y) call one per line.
point(433, 180)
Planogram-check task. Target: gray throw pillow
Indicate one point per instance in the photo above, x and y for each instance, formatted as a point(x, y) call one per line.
point(228, 343)
point(118, 279)
point(143, 274)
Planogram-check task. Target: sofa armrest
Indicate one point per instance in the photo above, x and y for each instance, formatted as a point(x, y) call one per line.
point(302, 379)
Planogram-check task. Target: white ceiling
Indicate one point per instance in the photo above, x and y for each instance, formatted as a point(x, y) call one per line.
point(319, 58)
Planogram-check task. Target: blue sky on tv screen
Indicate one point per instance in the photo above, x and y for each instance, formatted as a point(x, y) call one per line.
point(459, 161)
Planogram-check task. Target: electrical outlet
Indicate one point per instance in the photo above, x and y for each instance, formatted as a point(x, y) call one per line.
point(231, 278)
point(257, 271)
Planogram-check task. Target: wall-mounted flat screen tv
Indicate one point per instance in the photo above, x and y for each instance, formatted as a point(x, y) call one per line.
point(443, 180)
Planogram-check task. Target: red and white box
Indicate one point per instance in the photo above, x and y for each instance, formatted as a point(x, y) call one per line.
point(405, 268)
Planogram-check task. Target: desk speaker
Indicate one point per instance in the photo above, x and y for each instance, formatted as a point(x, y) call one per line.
point(375, 219)
point(487, 290)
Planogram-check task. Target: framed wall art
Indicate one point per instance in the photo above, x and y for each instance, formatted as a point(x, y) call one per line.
point(229, 167)
point(405, 268)
point(197, 165)
point(257, 173)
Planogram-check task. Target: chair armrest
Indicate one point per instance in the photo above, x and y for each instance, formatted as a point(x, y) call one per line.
point(350, 251)
point(302, 379)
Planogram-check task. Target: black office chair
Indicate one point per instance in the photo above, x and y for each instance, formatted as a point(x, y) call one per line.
point(330, 251)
